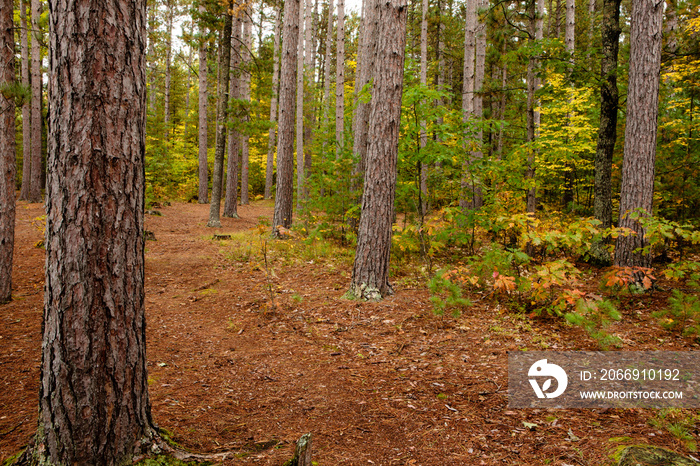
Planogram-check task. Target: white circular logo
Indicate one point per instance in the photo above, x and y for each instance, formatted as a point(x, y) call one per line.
point(542, 369)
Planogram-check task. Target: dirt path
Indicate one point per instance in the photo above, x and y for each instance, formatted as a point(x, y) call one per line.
point(376, 383)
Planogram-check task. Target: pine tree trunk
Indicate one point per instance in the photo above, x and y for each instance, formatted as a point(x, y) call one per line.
point(340, 82)
point(285, 147)
point(671, 27)
point(591, 25)
point(152, 66)
point(245, 95)
point(370, 272)
point(467, 184)
point(569, 43)
point(300, 107)
point(535, 11)
point(168, 60)
point(221, 119)
point(269, 170)
point(368, 45)
point(234, 137)
point(203, 121)
point(479, 72)
point(35, 184)
point(310, 92)
point(189, 81)
point(607, 131)
point(637, 188)
point(327, 65)
point(26, 108)
point(423, 170)
point(93, 398)
point(7, 150)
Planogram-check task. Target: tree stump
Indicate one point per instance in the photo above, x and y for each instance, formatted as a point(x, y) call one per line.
point(302, 452)
point(647, 455)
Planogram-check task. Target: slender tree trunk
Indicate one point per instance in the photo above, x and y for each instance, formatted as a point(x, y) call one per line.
point(423, 170)
point(269, 170)
point(327, 66)
point(93, 396)
point(152, 66)
point(591, 25)
point(234, 136)
point(671, 27)
point(26, 108)
point(607, 131)
point(340, 82)
point(370, 272)
point(368, 46)
point(7, 150)
point(203, 109)
point(300, 107)
point(245, 95)
point(221, 118)
point(569, 42)
point(285, 148)
point(637, 189)
point(189, 80)
point(479, 72)
point(535, 10)
point(310, 92)
point(35, 185)
point(467, 184)
point(168, 60)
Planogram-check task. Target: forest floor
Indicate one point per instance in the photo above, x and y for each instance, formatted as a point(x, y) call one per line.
point(383, 383)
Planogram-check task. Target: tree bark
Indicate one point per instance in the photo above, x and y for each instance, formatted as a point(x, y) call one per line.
point(607, 131)
point(221, 118)
point(300, 107)
point(367, 50)
point(203, 109)
point(234, 136)
point(479, 72)
point(269, 171)
point(423, 167)
point(370, 272)
point(637, 189)
point(168, 59)
point(245, 95)
point(188, 82)
point(285, 148)
point(93, 398)
point(7, 150)
point(535, 10)
point(327, 65)
point(152, 8)
point(340, 81)
point(35, 185)
point(26, 108)
point(310, 92)
point(467, 195)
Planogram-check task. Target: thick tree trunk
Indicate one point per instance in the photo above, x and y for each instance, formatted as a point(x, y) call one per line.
point(7, 151)
point(234, 137)
point(93, 397)
point(203, 108)
point(245, 95)
point(221, 119)
point(340, 81)
point(35, 185)
point(300, 107)
point(368, 45)
point(168, 59)
point(607, 131)
point(285, 147)
point(370, 272)
point(26, 109)
point(467, 183)
point(269, 170)
point(637, 189)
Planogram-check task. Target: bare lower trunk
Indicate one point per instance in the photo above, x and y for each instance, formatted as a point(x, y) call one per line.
point(7, 151)
point(269, 170)
point(245, 95)
point(221, 118)
point(203, 126)
point(479, 72)
point(285, 149)
point(300, 107)
point(234, 137)
point(637, 188)
point(370, 272)
point(467, 183)
point(340, 81)
point(327, 65)
point(35, 185)
point(168, 60)
point(93, 397)
point(26, 108)
point(188, 83)
point(423, 170)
